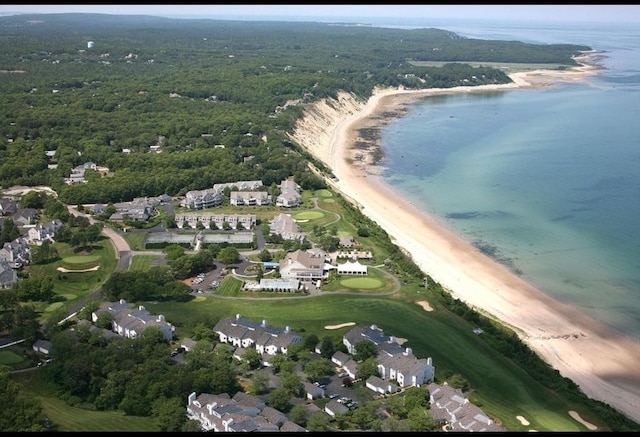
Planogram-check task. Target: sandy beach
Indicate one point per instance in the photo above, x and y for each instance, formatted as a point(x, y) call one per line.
point(603, 362)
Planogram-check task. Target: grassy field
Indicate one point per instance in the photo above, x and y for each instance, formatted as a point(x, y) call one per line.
point(141, 263)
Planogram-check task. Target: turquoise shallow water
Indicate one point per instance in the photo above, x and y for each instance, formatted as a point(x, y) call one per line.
point(545, 181)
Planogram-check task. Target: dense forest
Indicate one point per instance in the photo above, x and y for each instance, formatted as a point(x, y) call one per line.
point(190, 85)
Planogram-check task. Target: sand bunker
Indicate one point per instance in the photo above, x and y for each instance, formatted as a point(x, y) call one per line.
point(63, 270)
point(576, 416)
point(522, 420)
point(344, 325)
point(425, 305)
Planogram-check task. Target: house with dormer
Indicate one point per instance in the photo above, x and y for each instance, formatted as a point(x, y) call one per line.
point(201, 199)
point(239, 186)
point(78, 173)
point(249, 198)
point(132, 322)
point(287, 228)
point(304, 266)
point(264, 338)
point(16, 252)
point(394, 362)
point(450, 408)
point(289, 194)
point(8, 276)
point(405, 368)
point(8, 206)
point(371, 333)
point(240, 413)
point(25, 217)
point(43, 232)
point(209, 219)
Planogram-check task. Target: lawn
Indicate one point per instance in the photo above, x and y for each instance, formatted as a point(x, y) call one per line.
point(377, 281)
point(141, 263)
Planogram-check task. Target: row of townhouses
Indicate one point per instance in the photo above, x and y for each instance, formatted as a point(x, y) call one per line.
point(140, 208)
point(267, 340)
point(132, 322)
point(245, 193)
point(240, 413)
point(212, 220)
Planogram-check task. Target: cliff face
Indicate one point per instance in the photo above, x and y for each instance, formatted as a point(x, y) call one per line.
point(316, 130)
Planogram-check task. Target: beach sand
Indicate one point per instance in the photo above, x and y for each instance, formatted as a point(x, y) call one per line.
point(604, 363)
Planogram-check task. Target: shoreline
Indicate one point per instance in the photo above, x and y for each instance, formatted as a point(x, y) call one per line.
point(556, 331)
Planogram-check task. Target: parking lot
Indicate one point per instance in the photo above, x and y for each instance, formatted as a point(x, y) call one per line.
point(208, 282)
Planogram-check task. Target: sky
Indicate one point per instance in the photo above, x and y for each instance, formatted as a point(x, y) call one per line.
point(557, 13)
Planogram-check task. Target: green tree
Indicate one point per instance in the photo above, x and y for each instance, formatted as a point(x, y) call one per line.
point(21, 412)
point(253, 358)
point(318, 422)
point(420, 420)
point(458, 381)
point(364, 349)
point(367, 368)
point(292, 383)
point(260, 382)
point(317, 369)
point(279, 399)
point(416, 397)
point(168, 413)
point(395, 405)
point(277, 362)
point(298, 414)
point(228, 255)
point(327, 347)
point(363, 232)
point(265, 255)
point(364, 417)
point(9, 231)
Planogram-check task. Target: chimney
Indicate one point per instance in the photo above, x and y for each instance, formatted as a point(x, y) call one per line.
point(192, 397)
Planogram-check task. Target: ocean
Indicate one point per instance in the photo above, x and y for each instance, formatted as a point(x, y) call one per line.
point(544, 181)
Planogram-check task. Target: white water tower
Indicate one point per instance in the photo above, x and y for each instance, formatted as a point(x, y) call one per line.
point(90, 44)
